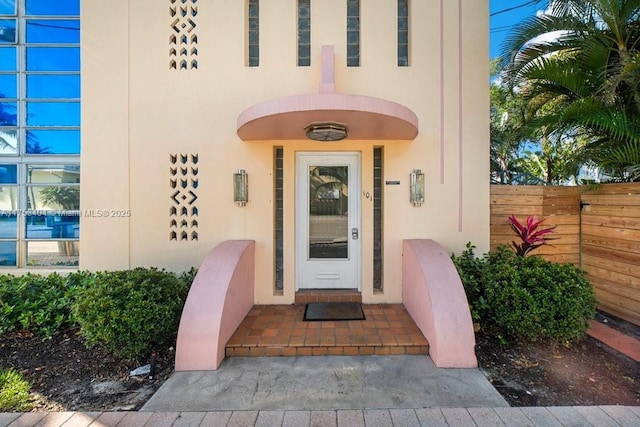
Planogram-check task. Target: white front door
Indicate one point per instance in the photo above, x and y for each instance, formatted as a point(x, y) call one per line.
point(328, 246)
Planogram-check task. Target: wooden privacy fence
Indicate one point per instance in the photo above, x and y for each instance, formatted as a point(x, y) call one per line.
point(559, 205)
point(611, 247)
point(598, 229)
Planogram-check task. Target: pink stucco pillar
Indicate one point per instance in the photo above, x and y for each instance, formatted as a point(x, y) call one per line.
point(220, 297)
point(433, 294)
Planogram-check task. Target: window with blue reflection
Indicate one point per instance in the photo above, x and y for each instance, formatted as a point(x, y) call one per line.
point(8, 7)
point(8, 142)
point(53, 7)
point(8, 254)
point(8, 175)
point(8, 203)
point(53, 58)
point(53, 226)
point(52, 31)
point(8, 113)
point(39, 119)
point(8, 31)
point(8, 86)
point(8, 59)
point(8, 225)
point(53, 113)
point(53, 86)
point(53, 141)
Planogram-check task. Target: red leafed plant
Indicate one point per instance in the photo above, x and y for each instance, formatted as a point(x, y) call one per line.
point(531, 236)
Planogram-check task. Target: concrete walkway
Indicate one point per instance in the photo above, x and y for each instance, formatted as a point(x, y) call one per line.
point(324, 383)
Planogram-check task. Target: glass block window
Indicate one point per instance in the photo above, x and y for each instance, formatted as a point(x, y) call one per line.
point(403, 33)
point(353, 33)
point(39, 133)
point(253, 36)
point(278, 207)
point(377, 219)
point(304, 33)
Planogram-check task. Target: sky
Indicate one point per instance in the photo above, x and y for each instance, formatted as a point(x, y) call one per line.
point(504, 14)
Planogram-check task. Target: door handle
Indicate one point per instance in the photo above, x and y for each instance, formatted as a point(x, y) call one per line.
point(354, 233)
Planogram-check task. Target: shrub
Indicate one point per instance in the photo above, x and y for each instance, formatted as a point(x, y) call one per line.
point(131, 312)
point(529, 297)
point(39, 304)
point(188, 276)
point(470, 268)
point(14, 392)
point(533, 298)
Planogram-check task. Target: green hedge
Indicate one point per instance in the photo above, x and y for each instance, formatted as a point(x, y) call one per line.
point(40, 304)
point(131, 312)
point(526, 297)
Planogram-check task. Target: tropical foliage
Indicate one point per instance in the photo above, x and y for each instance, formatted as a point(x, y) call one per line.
point(507, 130)
point(526, 298)
point(577, 67)
point(531, 235)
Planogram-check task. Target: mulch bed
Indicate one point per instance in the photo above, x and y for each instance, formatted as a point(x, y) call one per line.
point(542, 374)
point(65, 375)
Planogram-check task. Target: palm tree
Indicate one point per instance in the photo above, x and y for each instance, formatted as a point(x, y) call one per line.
point(578, 64)
point(8, 142)
point(8, 117)
point(8, 114)
point(507, 130)
point(557, 161)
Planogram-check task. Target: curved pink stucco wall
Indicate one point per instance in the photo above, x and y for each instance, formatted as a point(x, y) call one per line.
point(434, 296)
point(219, 299)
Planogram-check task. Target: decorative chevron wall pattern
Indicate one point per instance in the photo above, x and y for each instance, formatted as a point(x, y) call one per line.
point(183, 40)
point(183, 213)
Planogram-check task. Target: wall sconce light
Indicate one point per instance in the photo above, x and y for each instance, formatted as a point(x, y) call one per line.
point(241, 187)
point(416, 187)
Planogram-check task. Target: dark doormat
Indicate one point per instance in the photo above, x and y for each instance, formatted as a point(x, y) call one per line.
point(333, 311)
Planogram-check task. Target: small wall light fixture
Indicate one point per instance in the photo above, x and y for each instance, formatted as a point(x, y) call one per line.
point(240, 187)
point(416, 187)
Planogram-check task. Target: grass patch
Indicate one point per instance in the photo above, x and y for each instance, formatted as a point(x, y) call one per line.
point(14, 392)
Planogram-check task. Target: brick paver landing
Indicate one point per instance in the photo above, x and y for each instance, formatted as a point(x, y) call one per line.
point(279, 330)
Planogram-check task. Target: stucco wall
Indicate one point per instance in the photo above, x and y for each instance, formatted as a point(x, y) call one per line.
point(137, 111)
